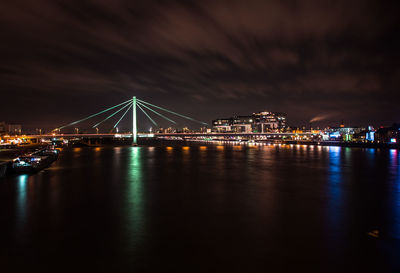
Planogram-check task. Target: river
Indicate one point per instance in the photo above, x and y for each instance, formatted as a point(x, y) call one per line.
point(210, 208)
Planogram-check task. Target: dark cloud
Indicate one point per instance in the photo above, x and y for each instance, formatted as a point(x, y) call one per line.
point(209, 58)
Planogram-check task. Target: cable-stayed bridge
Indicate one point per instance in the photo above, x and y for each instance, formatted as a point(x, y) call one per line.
point(133, 104)
point(121, 111)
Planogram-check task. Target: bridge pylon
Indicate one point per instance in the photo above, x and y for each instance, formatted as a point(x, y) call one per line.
point(134, 124)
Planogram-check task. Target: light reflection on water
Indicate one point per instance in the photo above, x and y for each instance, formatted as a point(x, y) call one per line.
point(230, 201)
point(22, 201)
point(395, 177)
point(334, 185)
point(135, 207)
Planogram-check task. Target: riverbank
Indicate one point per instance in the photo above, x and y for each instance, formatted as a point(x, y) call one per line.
point(348, 144)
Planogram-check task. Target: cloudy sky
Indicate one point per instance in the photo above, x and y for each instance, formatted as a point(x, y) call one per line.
point(326, 61)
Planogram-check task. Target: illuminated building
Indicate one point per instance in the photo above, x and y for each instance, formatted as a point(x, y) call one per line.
point(266, 121)
point(186, 130)
point(222, 125)
point(344, 133)
point(257, 122)
point(242, 124)
point(388, 134)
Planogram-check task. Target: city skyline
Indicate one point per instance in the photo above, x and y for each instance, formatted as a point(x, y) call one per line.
point(325, 62)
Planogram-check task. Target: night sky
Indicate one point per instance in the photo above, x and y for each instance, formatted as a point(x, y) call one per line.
point(326, 61)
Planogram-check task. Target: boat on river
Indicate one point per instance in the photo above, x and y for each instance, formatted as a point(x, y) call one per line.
point(35, 162)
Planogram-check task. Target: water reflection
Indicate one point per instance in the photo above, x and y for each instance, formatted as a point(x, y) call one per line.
point(135, 198)
point(237, 147)
point(231, 201)
point(335, 169)
point(22, 200)
point(117, 157)
point(395, 177)
point(185, 157)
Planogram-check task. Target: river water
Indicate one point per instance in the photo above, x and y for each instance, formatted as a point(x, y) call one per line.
point(208, 208)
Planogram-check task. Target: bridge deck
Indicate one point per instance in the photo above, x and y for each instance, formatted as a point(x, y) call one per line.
point(67, 136)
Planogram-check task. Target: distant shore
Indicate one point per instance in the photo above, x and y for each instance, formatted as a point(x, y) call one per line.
point(348, 144)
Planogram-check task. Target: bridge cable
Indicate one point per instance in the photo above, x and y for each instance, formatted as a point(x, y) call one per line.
point(101, 112)
point(169, 111)
point(144, 112)
point(116, 124)
point(161, 115)
point(113, 114)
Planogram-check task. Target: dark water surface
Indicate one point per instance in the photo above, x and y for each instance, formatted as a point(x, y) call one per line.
point(205, 209)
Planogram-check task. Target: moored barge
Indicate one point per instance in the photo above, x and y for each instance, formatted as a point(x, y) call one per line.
point(35, 162)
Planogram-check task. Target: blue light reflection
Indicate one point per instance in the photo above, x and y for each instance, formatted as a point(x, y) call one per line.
point(334, 185)
point(21, 205)
point(395, 177)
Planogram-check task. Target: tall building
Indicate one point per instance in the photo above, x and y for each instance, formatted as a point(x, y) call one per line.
point(265, 121)
point(242, 124)
point(222, 125)
point(257, 122)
